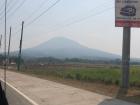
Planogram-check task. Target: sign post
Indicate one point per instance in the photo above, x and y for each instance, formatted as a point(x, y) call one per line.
point(126, 57)
point(127, 15)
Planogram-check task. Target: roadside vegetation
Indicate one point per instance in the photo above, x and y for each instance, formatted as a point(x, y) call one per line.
point(97, 71)
point(101, 74)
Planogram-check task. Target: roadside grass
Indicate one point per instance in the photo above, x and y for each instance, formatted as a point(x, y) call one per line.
point(106, 75)
point(135, 76)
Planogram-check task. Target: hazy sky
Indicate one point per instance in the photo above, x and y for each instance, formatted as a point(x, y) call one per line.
point(89, 22)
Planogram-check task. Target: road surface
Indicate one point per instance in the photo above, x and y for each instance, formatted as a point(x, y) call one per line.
point(13, 97)
point(44, 92)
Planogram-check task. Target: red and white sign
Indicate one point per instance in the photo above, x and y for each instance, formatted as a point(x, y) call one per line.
point(127, 13)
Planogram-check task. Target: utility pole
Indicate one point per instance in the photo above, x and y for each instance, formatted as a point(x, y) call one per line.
point(1, 44)
point(9, 45)
point(126, 57)
point(20, 48)
point(5, 63)
point(0, 41)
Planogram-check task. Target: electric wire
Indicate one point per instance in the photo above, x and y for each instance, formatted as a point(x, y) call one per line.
point(83, 19)
point(15, 10)
point(87, 17)
point(12, 6)
point(36, 10)
point(44, 12)
point(74, 21)
point(1, 6)
point(68, 24)
point(78, 21)
point(94, 9)
point(8, 4)
point(41, 14)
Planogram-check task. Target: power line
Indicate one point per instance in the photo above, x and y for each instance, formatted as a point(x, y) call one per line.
point(87, 17)
point(36, 18)
point(76, 21)
point(12, 6)
point(2, 6)
point(96, 8)
point(83, 19)
point(16, 9)
point(35, 11)
point(3, 11)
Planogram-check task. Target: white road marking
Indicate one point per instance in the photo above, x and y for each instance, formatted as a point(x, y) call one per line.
point(22, 94)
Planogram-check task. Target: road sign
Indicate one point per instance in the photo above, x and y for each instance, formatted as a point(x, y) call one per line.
point(127, 13)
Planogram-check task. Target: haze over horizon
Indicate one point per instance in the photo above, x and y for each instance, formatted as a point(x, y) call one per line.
point(90, 23)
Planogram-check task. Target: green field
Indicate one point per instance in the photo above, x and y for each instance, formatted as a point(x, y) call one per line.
point(106, 74)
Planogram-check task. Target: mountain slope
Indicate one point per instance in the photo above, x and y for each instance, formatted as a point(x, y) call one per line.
point(65, 48)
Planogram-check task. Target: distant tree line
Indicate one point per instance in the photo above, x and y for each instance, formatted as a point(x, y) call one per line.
point(12, 59)
point(52, 60)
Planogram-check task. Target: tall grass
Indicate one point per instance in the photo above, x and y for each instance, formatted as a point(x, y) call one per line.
point(107, 75)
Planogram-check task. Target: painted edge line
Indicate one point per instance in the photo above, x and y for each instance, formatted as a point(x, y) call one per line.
point(22, 94)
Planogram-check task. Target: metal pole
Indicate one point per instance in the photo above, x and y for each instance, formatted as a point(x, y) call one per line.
point(1, 45)
point(5, 65)
point(0, 41)
point(126, 56)
point(9, 45)
point(20, 48)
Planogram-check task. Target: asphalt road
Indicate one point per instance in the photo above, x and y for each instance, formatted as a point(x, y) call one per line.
point(12, 97)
